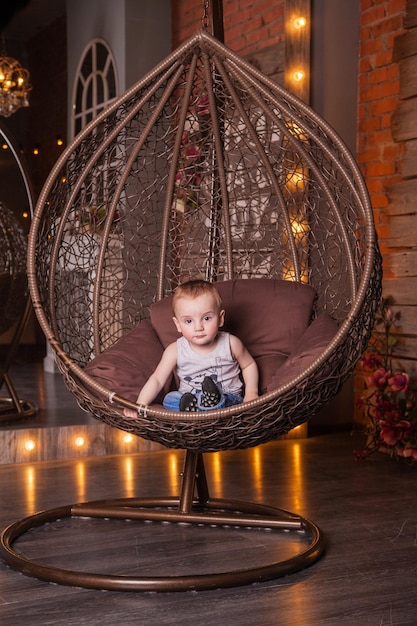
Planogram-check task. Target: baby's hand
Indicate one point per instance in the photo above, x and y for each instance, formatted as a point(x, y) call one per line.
point(251, 395)
point(130, 413)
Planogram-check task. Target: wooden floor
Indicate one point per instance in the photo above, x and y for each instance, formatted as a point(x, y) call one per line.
point(58, 424)
point(367, 511)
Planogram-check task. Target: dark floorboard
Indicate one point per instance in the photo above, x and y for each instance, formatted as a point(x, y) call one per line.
point(47, 391)
point(367, 511)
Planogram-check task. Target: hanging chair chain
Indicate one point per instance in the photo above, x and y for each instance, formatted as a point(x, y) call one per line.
point(205, 20)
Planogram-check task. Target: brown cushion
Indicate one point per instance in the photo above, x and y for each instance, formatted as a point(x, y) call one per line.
point(268, 366)
point(268, 315)
point(311, 344)
point(126, 366)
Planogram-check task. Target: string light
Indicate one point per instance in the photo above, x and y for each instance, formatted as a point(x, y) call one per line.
point(79, 441)
point(29, 445)
point(36, 148)
point(296, 180)
point(298, 75)
point(299, 22)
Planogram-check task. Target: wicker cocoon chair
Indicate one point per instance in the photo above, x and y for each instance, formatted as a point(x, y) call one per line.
point(203, 169)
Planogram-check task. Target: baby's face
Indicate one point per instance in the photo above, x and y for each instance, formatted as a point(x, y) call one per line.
point(198, 319)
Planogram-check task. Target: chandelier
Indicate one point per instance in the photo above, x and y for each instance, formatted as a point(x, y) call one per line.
point(14, 85)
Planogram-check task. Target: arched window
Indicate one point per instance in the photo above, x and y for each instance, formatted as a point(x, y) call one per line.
point(95, 84)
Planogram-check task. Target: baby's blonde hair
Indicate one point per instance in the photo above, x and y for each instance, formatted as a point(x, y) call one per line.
point(195, 288)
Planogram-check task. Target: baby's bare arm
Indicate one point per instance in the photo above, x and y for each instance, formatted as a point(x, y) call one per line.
point(248, 366)
point(157, 379)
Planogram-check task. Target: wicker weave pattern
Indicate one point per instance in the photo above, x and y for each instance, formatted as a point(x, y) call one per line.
point(205, 168)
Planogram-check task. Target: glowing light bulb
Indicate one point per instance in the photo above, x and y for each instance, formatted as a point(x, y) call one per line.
point(128, 438)
point(299, 22)
point(298, 75)
point(296, 180)
point(79, 441)
point(29, 445)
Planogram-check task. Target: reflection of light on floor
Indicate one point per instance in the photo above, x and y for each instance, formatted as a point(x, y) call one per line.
point(30, 484)
point(79, 468)
point(298, 487)
point(256, 464)
point(214, 474)
point(128, 477)
point(173, 474)
point(40, 384)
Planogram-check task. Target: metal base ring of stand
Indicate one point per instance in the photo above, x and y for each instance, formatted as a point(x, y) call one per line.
point(210, 512)
point(10, 412)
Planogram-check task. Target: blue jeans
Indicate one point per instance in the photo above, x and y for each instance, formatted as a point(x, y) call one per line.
point(172, 401)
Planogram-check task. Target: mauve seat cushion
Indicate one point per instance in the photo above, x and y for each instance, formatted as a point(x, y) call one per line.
point(310, 346)
point(126, 366)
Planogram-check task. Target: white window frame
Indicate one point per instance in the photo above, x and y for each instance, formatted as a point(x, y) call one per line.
point(88, 84)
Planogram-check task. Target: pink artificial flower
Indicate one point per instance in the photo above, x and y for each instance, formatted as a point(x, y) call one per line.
point(372, 361)
point(378, 379)
point(408, 452)
point(360, 454)
point(192, 152)
point(384, 409)
point(393, 433)
point(399, 382)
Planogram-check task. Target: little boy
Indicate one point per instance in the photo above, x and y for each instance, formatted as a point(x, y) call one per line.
point(208, 361)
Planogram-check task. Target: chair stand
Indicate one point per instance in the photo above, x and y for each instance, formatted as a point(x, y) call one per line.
point(186, 509)
point(12, 408)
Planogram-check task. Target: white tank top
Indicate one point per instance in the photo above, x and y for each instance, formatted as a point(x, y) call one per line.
point(192, 367)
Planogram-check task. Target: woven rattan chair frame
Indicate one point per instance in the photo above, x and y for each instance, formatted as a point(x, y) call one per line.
point(204, 169)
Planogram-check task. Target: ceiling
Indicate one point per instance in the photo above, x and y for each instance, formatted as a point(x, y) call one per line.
point(22, 19)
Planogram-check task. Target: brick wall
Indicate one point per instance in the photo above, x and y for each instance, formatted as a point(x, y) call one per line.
point(249, 26)
point(378, 154)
